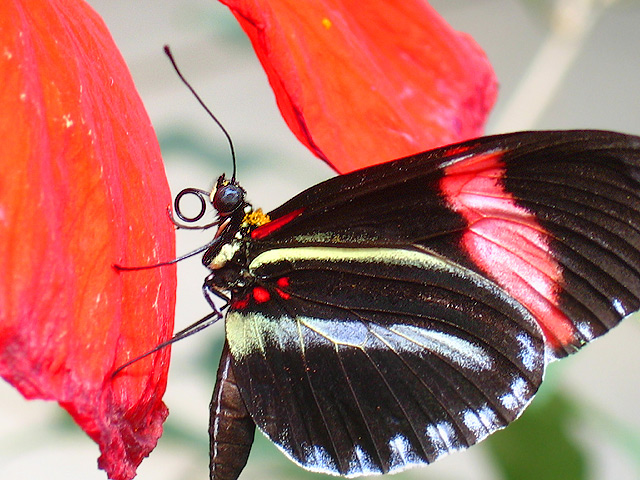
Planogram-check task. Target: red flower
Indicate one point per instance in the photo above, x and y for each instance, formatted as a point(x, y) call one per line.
point(82, 187)
point(361, 83)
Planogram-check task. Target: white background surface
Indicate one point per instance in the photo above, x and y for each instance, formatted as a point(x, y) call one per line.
point(598, 89)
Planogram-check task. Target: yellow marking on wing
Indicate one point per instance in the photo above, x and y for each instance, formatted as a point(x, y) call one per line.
point(397, 256)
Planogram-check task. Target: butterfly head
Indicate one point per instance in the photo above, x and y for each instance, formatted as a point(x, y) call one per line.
point(227, 197)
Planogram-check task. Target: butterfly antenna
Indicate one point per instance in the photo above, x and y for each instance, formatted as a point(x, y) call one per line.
point(167, 50)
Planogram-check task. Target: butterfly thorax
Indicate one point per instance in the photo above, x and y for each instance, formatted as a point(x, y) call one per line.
point(228, 258)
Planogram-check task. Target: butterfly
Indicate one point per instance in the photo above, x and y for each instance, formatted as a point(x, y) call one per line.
point(388, 317)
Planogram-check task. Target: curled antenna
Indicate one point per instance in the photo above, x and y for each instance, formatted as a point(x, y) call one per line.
point(167, 50)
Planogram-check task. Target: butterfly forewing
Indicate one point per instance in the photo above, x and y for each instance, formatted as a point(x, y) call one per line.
point(552, 217)
point(364, 360)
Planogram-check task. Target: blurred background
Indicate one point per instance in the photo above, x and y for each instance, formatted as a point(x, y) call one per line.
point(561, 64)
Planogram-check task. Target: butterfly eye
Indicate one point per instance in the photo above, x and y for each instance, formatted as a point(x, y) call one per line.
point(228, 198)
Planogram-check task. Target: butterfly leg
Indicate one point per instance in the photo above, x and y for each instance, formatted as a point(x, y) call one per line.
point(211, 292)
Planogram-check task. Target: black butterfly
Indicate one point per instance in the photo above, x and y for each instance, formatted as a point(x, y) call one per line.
point(388, 317)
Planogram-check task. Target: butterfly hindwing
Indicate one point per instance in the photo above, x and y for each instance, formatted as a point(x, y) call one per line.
point(365, 360)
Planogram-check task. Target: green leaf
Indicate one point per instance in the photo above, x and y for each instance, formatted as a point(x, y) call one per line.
point(539, 445)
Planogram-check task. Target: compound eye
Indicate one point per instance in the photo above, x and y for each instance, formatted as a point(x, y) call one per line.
point(228, 198)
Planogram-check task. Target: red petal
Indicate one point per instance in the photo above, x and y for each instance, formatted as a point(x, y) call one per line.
point(363, 83)
point(82, 187)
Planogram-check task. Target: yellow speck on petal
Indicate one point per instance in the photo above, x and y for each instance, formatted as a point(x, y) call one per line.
point(326, 23)
point(68, 122)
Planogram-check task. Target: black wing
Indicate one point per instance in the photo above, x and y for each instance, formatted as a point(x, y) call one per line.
point(552, 217)
point(405, 311)
point(369, 360)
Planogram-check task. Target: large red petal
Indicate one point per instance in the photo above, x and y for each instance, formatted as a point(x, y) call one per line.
point(361, 83)
point(82, 187)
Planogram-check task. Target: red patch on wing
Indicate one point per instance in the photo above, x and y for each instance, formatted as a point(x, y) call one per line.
point(283, 282)
point(261, 295)
point(457, 150)
point(507, 242)
point(284, 295)
point(268, 228)
point(240, 304)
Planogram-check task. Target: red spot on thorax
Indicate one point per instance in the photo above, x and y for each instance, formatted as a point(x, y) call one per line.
point(506, 241)
point(268, 228)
